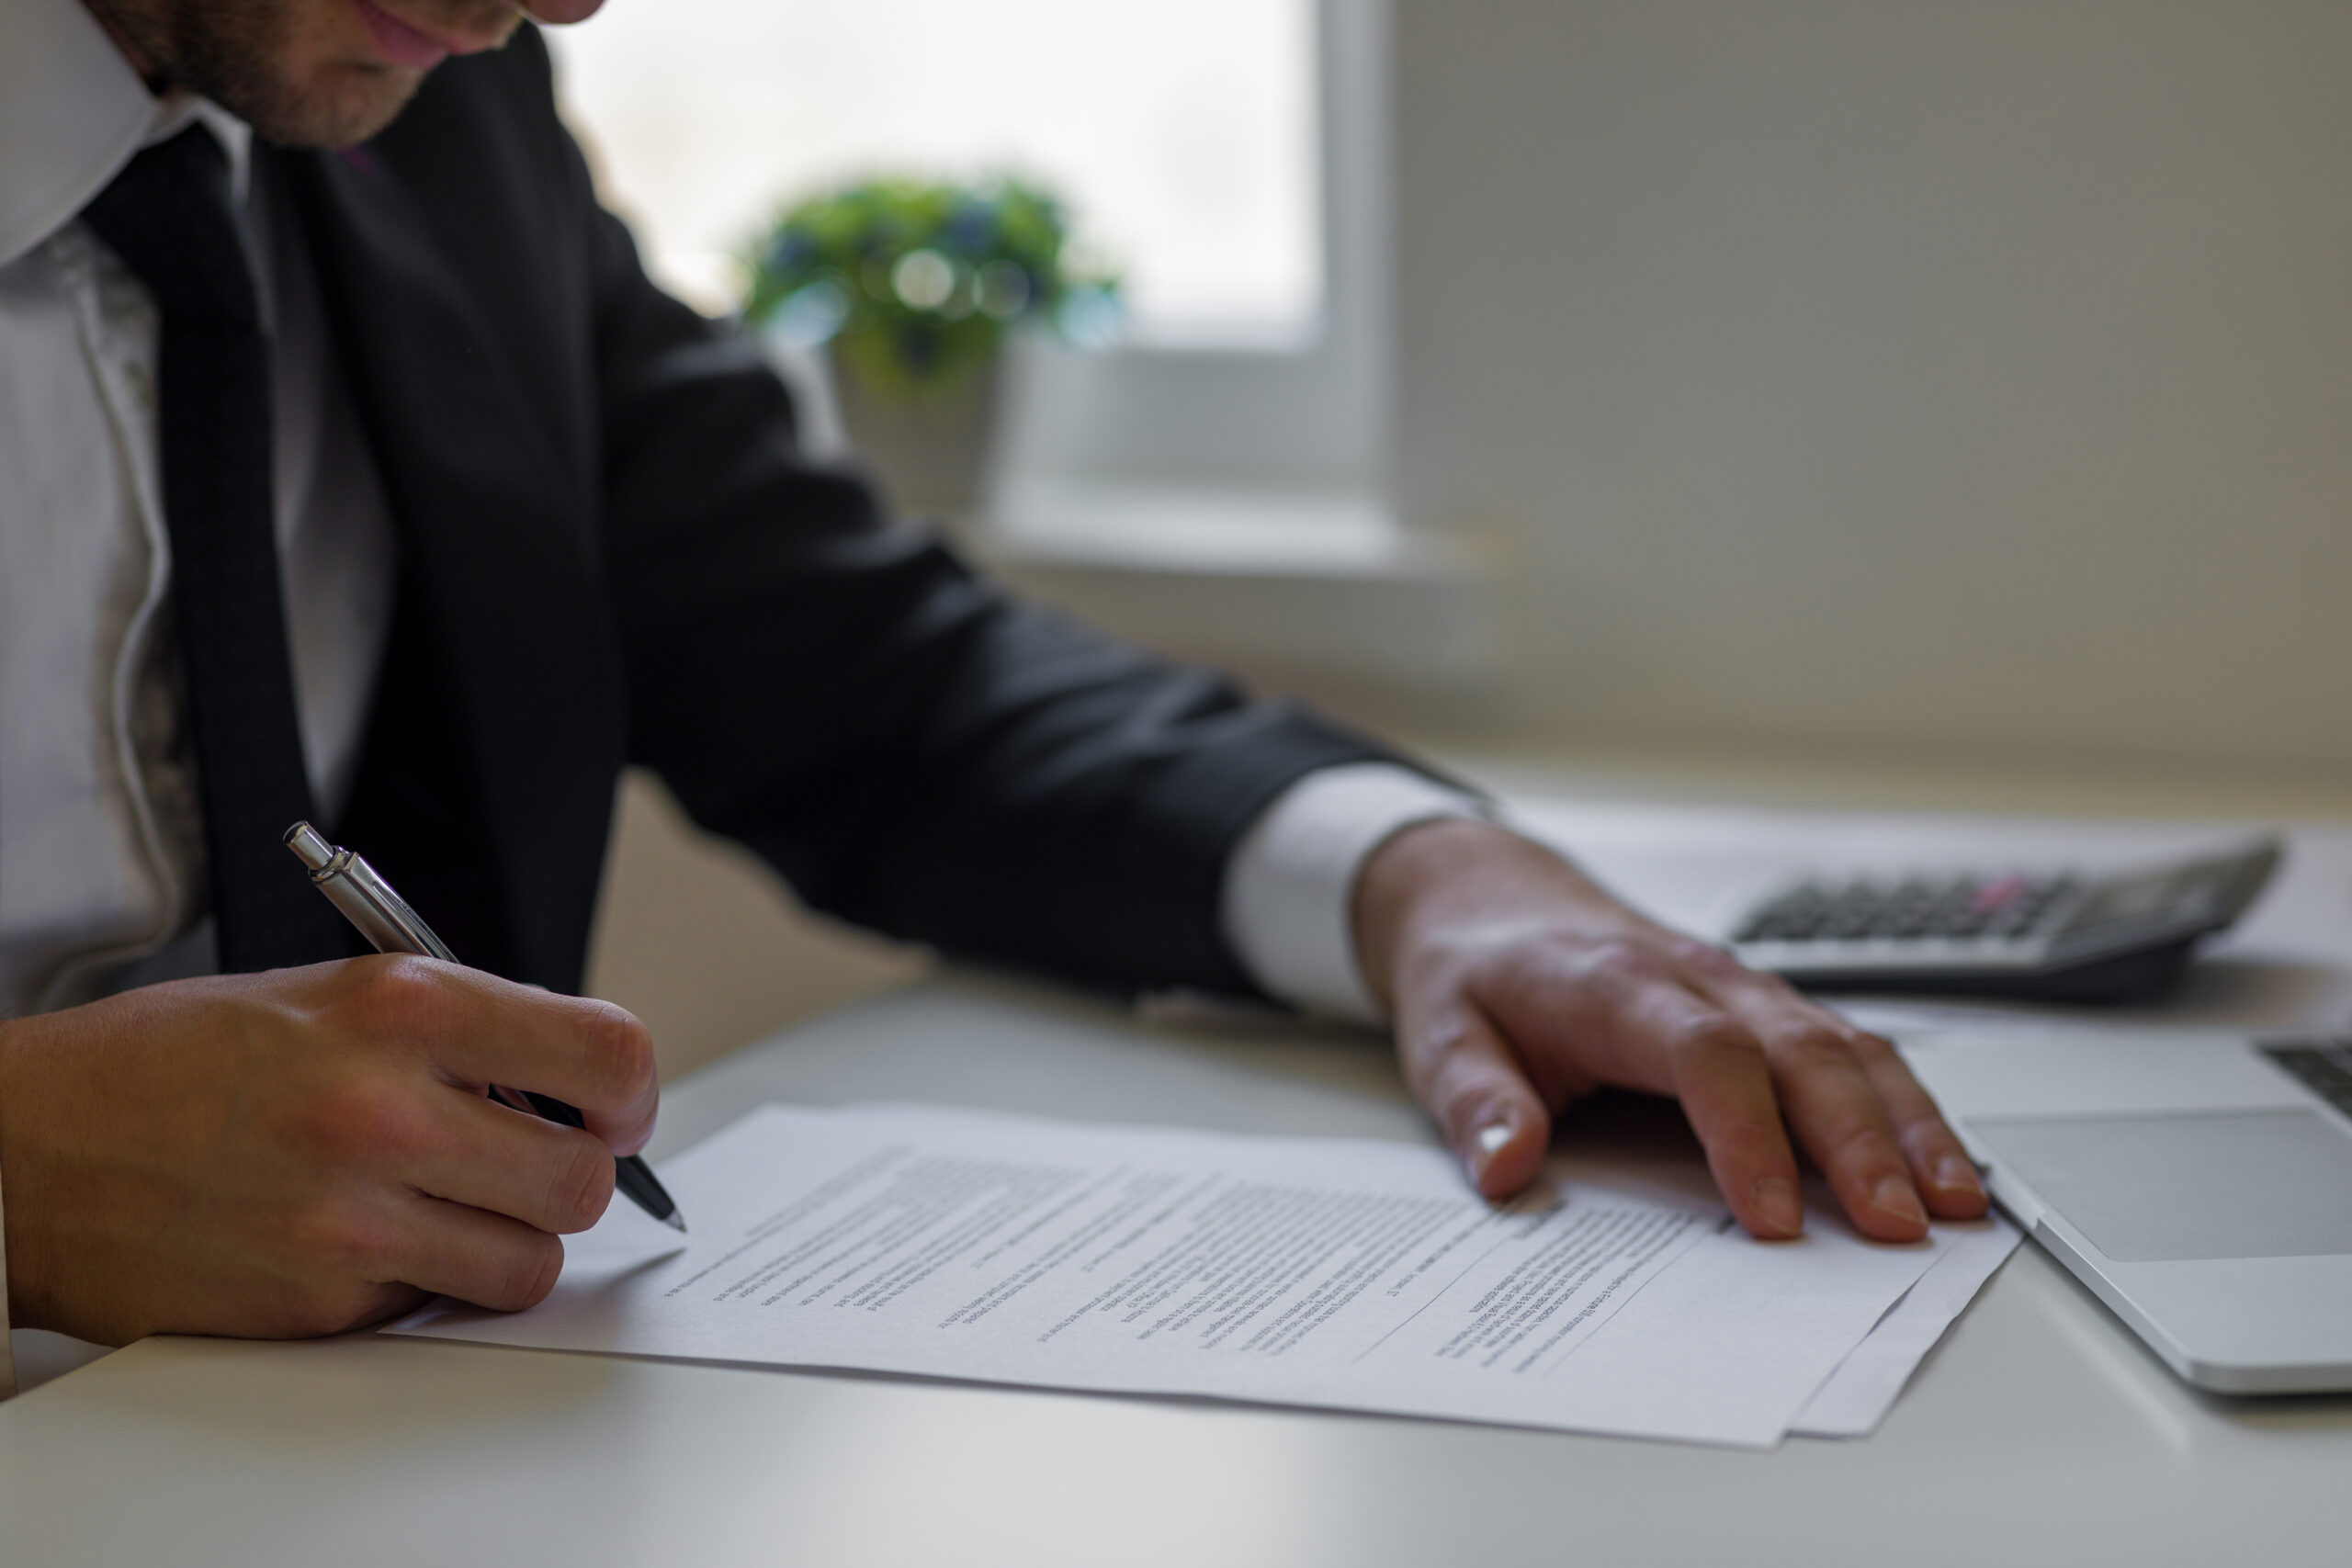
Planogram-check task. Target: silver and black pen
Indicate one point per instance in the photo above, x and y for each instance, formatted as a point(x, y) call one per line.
point(384, 917)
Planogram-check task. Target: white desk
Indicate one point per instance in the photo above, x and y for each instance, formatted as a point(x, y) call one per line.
point(2040, 1431)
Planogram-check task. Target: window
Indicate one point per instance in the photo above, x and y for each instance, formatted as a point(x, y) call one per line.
point(1222, 154)
point(1215, 481)
point(1183, 133)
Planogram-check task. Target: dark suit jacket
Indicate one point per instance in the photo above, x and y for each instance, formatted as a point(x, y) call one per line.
point(614, 552)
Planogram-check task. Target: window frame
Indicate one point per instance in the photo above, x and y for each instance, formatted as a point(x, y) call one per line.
point(1309, 414)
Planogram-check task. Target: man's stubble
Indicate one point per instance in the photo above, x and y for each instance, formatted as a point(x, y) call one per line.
point(285, 67)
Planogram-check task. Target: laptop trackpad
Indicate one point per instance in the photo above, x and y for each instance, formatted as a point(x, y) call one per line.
point(2161, 1189)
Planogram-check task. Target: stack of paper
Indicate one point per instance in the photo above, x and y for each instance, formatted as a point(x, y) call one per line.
point(1342, 1274)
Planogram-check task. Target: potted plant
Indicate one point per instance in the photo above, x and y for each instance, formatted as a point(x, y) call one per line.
point(912, 285)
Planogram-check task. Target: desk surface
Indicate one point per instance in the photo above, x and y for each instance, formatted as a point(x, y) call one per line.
point(2039, 1429)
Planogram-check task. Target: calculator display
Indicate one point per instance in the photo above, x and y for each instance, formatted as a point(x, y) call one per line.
point(2188, 893)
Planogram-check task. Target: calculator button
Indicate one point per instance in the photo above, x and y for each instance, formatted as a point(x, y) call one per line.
point(2006, 908)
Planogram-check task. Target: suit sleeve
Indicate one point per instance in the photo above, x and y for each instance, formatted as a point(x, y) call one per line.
point(915, 749)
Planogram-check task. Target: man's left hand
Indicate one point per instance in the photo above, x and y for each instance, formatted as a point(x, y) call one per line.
point(1517, 986)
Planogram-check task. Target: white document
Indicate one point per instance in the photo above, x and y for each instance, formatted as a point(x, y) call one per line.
point(1331, 1272)
point(1866, 1383)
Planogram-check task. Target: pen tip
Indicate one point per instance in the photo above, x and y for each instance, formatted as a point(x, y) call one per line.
point(676, 1221)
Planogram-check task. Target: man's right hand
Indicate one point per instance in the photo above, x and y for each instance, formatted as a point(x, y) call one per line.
point(307, 1150)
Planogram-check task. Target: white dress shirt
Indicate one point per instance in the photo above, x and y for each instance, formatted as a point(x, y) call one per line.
point(101, 849)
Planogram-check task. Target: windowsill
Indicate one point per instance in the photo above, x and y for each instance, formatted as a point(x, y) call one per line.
point(1219, 533)
point(1267, 581)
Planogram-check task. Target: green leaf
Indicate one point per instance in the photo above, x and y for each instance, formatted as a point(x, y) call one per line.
point(829, 268)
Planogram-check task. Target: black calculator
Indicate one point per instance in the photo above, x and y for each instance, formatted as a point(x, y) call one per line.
point(2040, 935)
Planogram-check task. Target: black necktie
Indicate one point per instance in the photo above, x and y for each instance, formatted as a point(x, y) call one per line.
point(168, 217)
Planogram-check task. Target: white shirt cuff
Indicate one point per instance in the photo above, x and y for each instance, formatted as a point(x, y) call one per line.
point(1288, 884)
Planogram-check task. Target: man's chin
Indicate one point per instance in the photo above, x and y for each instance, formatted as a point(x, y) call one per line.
point(343, 104)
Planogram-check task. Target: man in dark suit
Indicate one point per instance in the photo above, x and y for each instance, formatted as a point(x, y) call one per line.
point(572, 529)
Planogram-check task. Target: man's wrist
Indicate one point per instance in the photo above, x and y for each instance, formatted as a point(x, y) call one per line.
point(1474, 870)
point(1291, 879)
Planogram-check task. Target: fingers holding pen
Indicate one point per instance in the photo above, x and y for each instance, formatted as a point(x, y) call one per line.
point(480, 1154)
point(479, 1029)
point(488, 1259)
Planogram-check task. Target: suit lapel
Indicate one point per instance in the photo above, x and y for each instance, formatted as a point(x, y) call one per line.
point(497, 533)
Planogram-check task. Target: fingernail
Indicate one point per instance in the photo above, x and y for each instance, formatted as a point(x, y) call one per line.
point(1954, 1174)
point(1777, 1204)
point(1895, 1197)
point(1488, 1142)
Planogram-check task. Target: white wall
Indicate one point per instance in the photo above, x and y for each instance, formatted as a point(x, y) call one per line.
point(1968, 371)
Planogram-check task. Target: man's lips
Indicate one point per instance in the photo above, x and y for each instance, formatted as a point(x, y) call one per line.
point(398, 43)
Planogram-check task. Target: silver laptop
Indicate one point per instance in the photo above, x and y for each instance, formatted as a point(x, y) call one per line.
point(2200, 1184)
